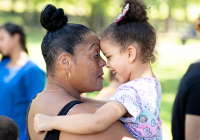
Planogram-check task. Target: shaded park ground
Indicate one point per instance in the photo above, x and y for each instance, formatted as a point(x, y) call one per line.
point(173, 61)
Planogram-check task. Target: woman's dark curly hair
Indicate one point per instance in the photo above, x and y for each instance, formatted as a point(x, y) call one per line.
point(134, 28)
point(61, 36)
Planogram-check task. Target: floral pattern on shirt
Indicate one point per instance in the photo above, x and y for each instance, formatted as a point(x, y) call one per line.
point(142, 99)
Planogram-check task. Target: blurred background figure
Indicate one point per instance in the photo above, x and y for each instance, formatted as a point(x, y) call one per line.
point(107, 92)
point(20, 78)
point(188, 33)
point(197, 26)
point(186, 112)
point(8, 129)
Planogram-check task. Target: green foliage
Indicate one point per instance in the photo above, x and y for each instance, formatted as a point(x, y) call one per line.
point(97, 14)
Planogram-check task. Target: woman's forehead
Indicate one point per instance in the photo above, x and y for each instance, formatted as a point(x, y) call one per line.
point(91, 39)
point(90, 42)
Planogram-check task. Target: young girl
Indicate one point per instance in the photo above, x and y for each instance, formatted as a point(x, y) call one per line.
point(129, 44)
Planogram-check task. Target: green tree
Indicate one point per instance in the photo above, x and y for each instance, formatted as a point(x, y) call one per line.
point(98, 15)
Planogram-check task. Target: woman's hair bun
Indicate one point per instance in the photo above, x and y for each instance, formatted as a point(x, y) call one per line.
point(137, 10)
point(52, 18)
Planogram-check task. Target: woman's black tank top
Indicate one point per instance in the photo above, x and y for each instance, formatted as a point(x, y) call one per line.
point(54, 134)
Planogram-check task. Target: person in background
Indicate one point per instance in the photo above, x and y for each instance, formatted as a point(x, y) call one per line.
point(107, 92)
point(197, 26)
point(20, 78)
point(186, 113)
point(8, 129)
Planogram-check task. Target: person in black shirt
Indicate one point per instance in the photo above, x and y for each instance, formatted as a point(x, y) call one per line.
point(186, 110)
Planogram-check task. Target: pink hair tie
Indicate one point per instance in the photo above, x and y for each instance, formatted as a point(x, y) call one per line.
point(121, 16)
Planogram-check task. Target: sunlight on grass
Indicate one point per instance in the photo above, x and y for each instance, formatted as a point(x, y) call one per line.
point(166, 127)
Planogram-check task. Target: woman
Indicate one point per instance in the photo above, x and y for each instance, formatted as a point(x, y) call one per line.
point(74, 66)
point(20, 78)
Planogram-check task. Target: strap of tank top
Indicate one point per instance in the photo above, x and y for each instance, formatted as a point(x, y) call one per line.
point(54, 134)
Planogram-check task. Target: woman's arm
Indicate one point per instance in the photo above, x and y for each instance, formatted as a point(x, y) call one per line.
point(82, 123)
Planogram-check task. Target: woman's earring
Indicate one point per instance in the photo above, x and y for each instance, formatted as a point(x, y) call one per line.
point(68, 77)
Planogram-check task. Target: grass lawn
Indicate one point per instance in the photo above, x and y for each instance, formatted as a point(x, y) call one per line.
point(173, 62)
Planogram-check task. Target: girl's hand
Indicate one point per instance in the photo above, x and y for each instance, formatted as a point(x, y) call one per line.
point(42, 123)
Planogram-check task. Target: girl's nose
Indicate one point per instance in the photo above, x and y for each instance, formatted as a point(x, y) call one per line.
point(107, 64)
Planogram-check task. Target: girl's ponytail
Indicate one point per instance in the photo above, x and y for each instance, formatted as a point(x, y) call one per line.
point(137, 11)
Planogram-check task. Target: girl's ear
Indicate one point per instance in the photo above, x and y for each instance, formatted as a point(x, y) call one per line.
point(132, 53)
point(64, 61)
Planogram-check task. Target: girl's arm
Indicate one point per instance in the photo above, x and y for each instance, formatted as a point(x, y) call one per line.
point(90, 100)
point(82, 123)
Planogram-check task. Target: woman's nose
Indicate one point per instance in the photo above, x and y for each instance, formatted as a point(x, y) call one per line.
point(102, 63)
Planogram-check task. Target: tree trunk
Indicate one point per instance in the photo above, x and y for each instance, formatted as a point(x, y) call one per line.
point(97, 19)
point(169, 21)
point(12, 7)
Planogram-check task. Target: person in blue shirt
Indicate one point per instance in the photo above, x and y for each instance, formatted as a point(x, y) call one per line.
point(20, 78)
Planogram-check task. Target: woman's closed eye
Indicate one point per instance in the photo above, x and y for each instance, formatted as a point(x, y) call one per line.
point(96, 56)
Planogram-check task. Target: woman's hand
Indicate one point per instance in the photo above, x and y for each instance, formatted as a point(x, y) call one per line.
point(42, 123)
